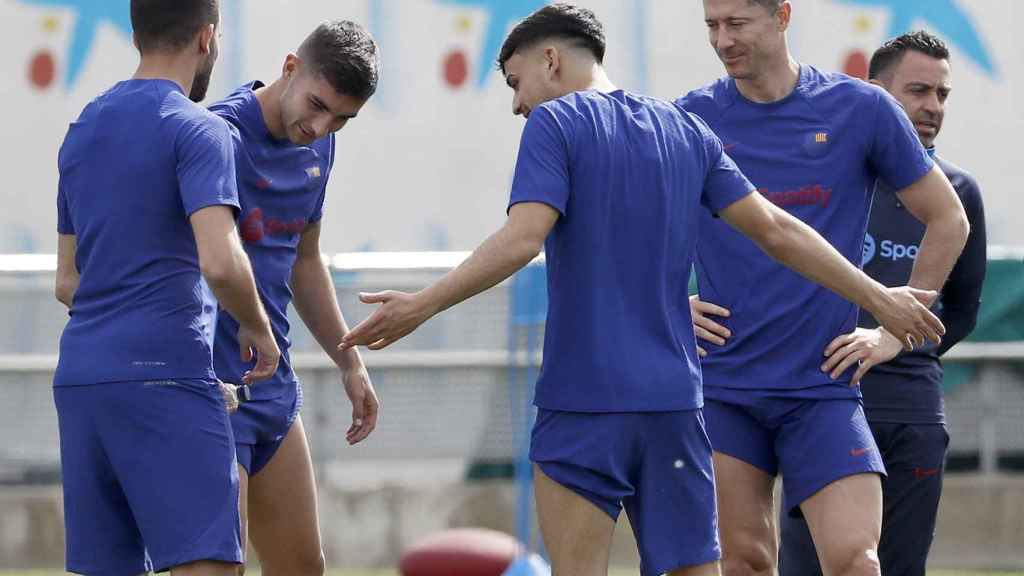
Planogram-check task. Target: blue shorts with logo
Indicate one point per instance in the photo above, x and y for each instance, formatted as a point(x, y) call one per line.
point(656, 465)
point(811, 442)
point(149, 474)
point(260, 426)
point(915, 456)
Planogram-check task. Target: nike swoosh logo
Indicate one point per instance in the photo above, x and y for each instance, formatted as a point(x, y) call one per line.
point(859, 451)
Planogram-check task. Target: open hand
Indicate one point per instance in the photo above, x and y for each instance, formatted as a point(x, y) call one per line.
point(399, 314)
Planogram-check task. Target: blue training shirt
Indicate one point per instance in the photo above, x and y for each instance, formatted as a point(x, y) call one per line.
point(816, 153)
point(908, 388)
point(281, 187)
point(136, 164)
point(629, 176)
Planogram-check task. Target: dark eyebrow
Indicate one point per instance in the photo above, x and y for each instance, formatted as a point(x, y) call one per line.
point(317, 101)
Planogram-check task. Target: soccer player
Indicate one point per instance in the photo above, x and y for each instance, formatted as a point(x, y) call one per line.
point(611, 184)
point(813, 143)
point(285, 156)
point(903, 392)
point(145, 212)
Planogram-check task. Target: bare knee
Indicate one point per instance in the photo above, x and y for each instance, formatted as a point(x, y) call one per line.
point(749, 559)
point(859, 561)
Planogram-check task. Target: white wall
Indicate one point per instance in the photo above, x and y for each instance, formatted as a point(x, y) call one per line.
point(427, 165)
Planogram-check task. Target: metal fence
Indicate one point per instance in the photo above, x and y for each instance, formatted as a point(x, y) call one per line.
point(445, 390)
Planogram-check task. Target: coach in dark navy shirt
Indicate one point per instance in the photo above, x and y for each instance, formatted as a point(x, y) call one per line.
point(903, 390)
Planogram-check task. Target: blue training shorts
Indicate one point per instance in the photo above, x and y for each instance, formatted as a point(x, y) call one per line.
point(261, 425)
point(150, 480)
point(812, 443)
point(656, 465)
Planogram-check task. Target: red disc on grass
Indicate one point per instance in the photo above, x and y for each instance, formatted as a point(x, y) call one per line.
point(460, 552)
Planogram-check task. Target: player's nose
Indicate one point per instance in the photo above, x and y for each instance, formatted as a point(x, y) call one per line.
point(722, 41)
point(322, 125)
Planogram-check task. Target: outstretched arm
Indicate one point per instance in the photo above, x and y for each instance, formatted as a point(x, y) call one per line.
point(903, 311)
point(501, 255)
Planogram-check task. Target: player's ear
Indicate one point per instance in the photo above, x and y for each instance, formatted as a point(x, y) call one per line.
point(135, 42)
point(783, 16)
point(553, 60)
point(206, 34)
point(291, 65)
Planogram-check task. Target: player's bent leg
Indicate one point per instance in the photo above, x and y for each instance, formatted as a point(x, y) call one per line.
point(576, 533)
point(283, 521)
point(746, 517)
point(845, 519)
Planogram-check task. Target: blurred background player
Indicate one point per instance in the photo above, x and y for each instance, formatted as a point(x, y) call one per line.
point(146, 210)
point(285, 156)
point(610, 184)
point(813, 143)
point(903, 391)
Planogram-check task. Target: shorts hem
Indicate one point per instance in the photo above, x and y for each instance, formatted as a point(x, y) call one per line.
point(548, 466)
point(221, 556)
point(121, 571)
point(769, 471)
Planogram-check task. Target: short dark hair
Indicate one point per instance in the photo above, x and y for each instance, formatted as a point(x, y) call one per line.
point(892, 52)
point(562, 21)
point(170, 24)
point(346, 55)
point(769, 5)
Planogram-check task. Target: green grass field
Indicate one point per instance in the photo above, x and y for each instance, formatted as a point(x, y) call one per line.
point(612, 573)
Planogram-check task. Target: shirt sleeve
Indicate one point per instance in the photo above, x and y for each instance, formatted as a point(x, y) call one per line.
point(542, 167)
point(318, 210)
point(894, 148)
point(64, 225)
point(724, 184)
point(961, 296)
point(206, 164)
